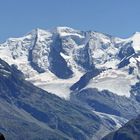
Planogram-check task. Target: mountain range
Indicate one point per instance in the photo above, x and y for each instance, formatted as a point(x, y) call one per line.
point(52, 80)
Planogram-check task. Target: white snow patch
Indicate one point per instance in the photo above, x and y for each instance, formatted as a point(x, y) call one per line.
point(136, 41)
point(49, 82)
point(119, 121)
point(117, 82)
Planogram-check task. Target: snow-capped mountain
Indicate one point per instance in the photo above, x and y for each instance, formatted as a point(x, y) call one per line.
point(94, 71)
point(56, 59)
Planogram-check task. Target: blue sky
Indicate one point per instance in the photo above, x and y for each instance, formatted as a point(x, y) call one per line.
point(116, 17)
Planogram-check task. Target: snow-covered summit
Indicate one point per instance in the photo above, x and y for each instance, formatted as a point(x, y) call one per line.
point(63, 55)
point(136, 41)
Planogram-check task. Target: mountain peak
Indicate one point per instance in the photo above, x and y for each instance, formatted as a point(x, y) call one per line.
point(136, 41)
point(136, 33)
point(63, 29)
point(38, 31)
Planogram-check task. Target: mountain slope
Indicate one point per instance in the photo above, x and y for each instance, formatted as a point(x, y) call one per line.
point(130, 131)
point(29, 112)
